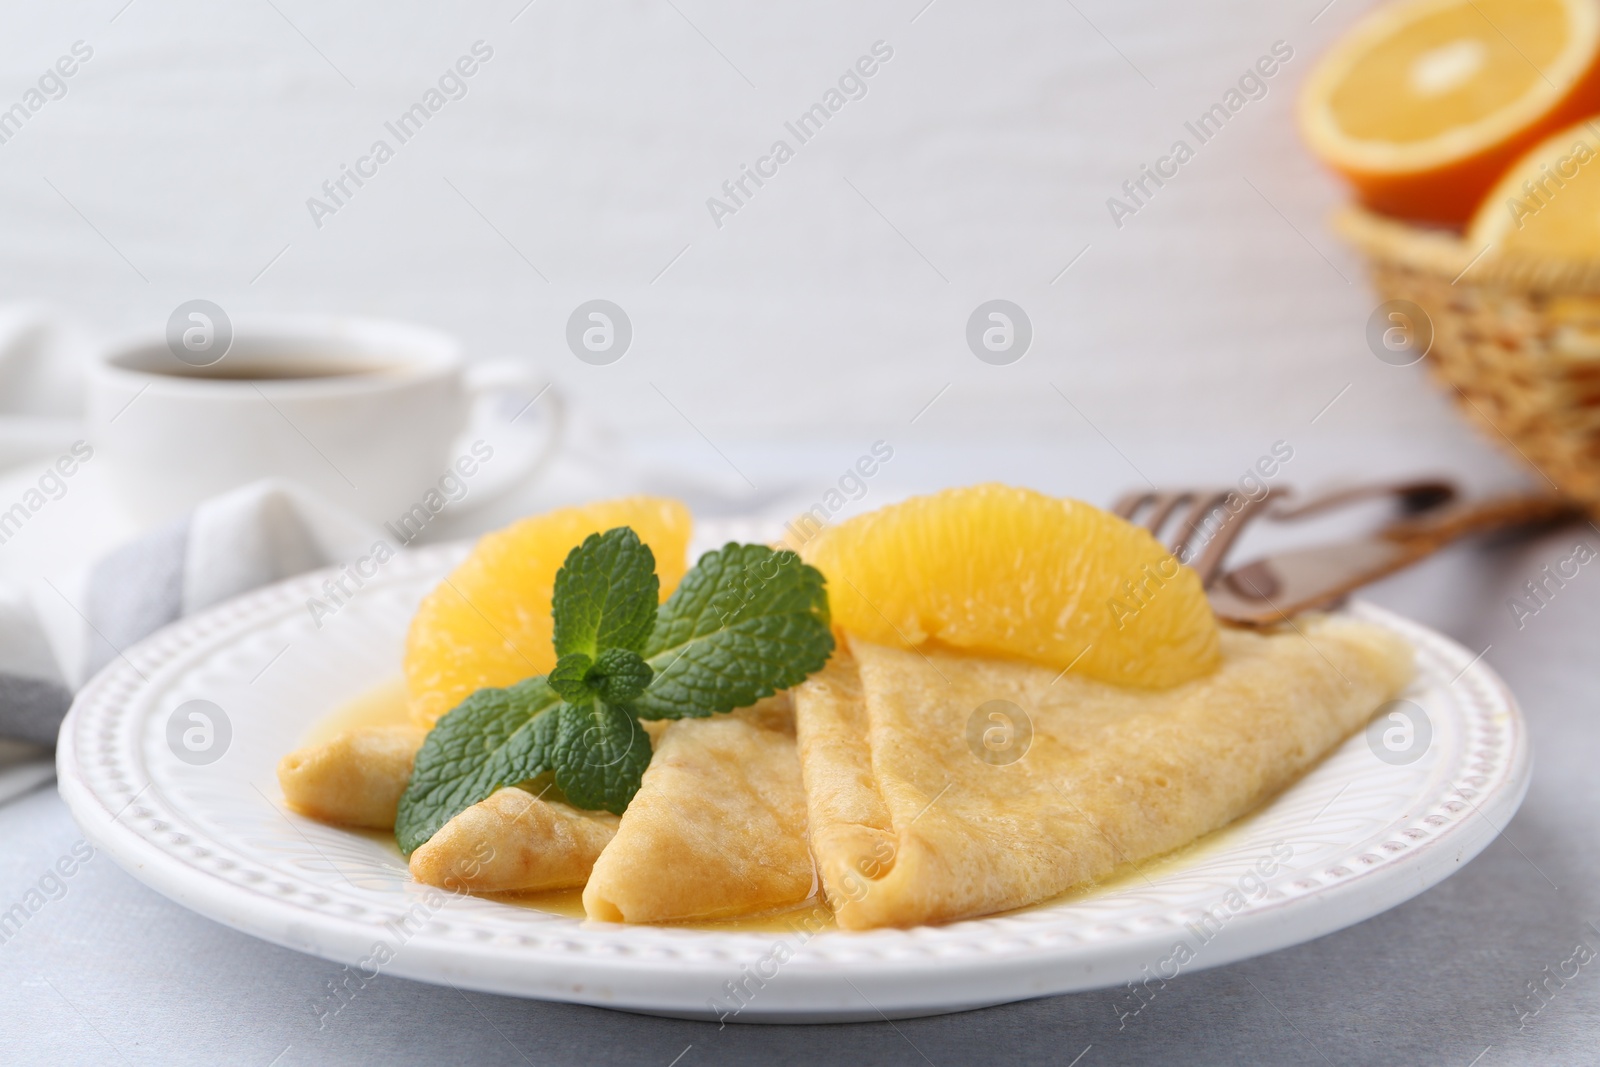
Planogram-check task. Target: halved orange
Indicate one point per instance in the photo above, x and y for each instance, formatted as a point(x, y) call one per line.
point(1016, 573)
point(488, 623)
point(1548, 203)
point(1425, 103)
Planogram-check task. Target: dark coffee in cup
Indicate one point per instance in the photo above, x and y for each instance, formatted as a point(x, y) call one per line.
point(269, 370)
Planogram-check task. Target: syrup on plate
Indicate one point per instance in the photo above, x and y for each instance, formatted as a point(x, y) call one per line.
point(385, 705)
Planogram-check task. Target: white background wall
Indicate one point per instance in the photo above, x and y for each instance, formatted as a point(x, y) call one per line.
point(831, 309)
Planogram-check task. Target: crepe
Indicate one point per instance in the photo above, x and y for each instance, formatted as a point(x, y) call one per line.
point(518, 841)
point(852, 832)
point(514, 841)
point(354, 779)
point(925, 807)
point(717, 828)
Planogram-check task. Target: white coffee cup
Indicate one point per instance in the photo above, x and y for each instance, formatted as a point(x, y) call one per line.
point(369, 414)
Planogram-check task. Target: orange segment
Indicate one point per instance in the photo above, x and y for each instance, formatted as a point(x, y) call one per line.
point(488, 623)
point(1424, 103)
point(1017, 573)
point(1549, 202)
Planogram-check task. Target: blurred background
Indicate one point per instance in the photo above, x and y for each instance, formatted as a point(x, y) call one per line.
point(830, 309)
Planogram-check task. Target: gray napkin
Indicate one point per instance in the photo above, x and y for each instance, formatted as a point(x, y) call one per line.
point(252, 536)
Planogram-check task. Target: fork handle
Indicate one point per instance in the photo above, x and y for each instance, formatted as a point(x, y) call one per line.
point(1438, 529)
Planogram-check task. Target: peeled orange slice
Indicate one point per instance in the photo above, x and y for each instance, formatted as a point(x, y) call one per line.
point(1549, 202)
point(488, 623)
point(1016, 573)
point(1426, 102)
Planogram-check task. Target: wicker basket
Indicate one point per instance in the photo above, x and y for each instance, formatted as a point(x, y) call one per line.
point(1516, 340)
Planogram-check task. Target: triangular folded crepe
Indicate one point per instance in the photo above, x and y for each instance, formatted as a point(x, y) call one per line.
point(514, 841)
point(920, 812)
point(717, 828)
point(518, 841)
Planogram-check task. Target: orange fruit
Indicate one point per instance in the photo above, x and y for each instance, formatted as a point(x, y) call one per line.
point(1015, 573)
point(1425, 103)
point(488, 623)
point(1548, 203)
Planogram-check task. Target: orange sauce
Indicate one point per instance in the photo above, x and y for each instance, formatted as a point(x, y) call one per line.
point(811, 915)
point(382, 705)
point(385, 705)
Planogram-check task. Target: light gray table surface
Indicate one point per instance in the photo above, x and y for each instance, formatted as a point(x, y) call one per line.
point(113, 972)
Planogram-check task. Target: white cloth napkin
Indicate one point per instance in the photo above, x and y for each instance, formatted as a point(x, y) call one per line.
point(252, 536)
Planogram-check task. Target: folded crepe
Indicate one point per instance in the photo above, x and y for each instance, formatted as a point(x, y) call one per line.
point(514, 841)
point(354, 778)
point(915, 817)
point(517, 841)
point(717, 828)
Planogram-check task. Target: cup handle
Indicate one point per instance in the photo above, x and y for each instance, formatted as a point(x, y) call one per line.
point(484, 379)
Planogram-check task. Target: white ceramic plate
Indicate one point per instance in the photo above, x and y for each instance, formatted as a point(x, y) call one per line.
point(1356, 836)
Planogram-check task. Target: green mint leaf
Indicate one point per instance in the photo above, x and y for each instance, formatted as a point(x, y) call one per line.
point(494, 738)
point(745, 622)
point(619, 675)
point(605, 595)
point(599, 753)
point(570, 678)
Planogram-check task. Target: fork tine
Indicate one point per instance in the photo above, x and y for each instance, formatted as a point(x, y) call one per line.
point(1204, 505)
point(1161, 503)
point(1128, 505)
point(1165, 505)
point(1233, 523)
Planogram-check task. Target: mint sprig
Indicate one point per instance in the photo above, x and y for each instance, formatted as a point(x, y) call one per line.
point(745, 622)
